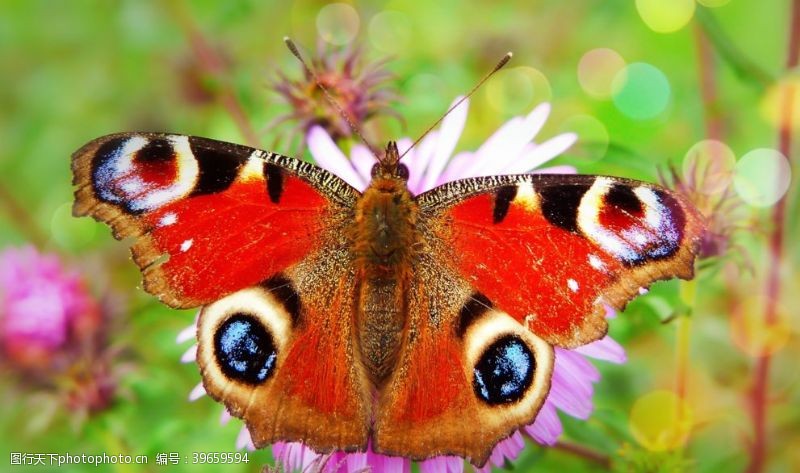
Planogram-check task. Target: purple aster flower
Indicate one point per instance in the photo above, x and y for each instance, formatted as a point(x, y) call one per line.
point(510, 150)
point(45, 310)
point(358, 87)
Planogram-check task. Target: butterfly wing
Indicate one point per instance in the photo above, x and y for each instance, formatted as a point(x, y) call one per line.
point(552, 250)
point(259, 239)
point(511, 266)
point(207, 217)
point(280, 356)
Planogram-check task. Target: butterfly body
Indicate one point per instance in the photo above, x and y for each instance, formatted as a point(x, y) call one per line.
point(386, 243)
point(418, 325)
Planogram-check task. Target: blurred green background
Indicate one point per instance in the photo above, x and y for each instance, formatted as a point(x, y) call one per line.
point(641, 82)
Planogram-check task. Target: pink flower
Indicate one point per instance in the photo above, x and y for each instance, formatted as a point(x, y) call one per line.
point(44, 309)
point(510, 150)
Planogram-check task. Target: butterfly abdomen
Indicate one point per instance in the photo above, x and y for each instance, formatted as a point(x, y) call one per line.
point(385, 237)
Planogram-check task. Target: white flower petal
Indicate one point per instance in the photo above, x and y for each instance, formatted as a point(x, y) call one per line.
point(424, 154)
point(606, 349)
point(515, 142)
point(243, 440)
point(186, 334)
point(330, 157)
point(189, 355)
point(556, 170)
point(450, 132)
point(456, 168)
point(543, 153)
point(363, 160)
point(491, 151)
point(198, 392)
point(225, 417)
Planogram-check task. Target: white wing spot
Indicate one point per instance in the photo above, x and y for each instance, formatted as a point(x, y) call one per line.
point(169, 218)
point(572, 284)
point(186, 245)
point(596, 263)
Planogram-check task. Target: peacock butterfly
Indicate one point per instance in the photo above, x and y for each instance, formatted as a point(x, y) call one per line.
point(420, 325)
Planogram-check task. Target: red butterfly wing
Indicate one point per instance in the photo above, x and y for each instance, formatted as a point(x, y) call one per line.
point(260, 240)
point(208, 217)
point(552, 249)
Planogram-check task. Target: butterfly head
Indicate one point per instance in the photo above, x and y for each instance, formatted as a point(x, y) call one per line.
point(389, 166)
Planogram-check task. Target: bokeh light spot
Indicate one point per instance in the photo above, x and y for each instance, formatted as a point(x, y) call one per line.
point(665, 16)
point(390, 31)
point(641, 91)
point(338, 23)
point(709, 165)
point(593, 136)
point(660, 420)
point(762, 177)
point(71, 232)
point(752, 334)
point(782, 101)
point(517, 90)
point(597, 69)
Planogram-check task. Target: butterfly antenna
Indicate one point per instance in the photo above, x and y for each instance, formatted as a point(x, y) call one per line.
point(356, 131)
point(496, 68)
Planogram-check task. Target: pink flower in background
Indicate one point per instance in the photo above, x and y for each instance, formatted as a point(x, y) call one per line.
point(510, 150)
point(44, 309)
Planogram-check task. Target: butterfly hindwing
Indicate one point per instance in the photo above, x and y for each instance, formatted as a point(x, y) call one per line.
point(208, 218)
point(468, 375)
point(552, 250)
point(279, 355)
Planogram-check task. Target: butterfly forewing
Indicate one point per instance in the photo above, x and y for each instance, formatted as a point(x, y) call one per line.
point(552, 250)
point(208, 217)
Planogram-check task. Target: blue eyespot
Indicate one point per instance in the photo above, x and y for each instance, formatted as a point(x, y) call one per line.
point(244, 349)
point(504, 371)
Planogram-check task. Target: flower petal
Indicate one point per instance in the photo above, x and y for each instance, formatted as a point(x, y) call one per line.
point(225, 417)
point(443, 464)
point(506, 449)
point(186, 334)
point(189, 355)
point(243, 440)
point(489, 155)
point(197, 392)
point(556, 170)
point(329, 156)
point(514, 143)
point(450, 132)
point(543, 152)
point(363, 160)
point(423, 155)
point(547, 427)
point(606, 349)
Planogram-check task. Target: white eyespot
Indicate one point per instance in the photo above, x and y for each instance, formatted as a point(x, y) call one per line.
point(573, 285)
point(169, 218)
point(186, 245)
point(596, 263)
